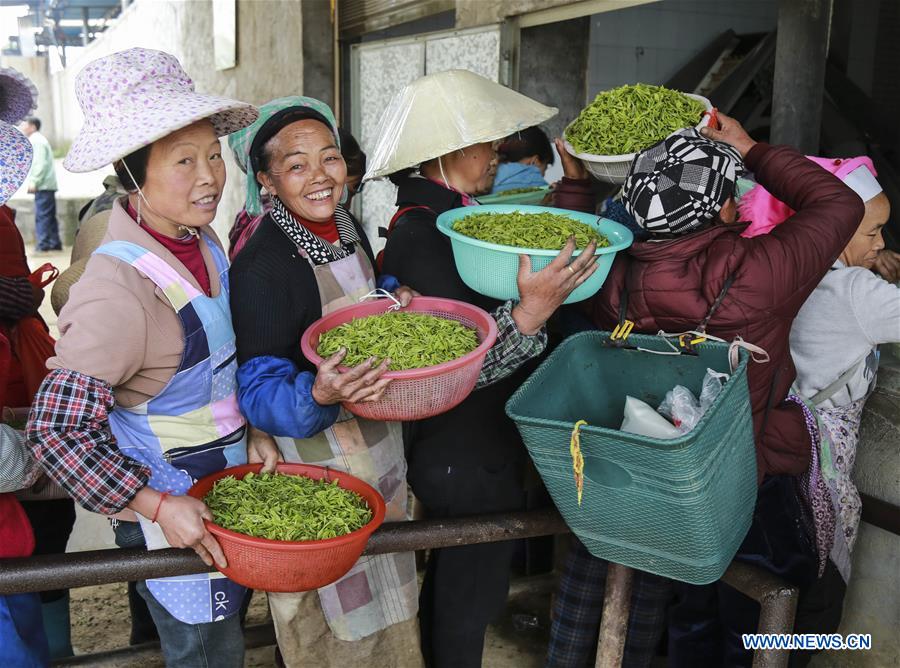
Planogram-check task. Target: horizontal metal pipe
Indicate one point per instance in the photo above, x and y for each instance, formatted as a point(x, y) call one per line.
point(84, 569)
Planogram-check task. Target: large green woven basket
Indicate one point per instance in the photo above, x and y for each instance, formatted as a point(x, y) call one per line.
point(678, 508)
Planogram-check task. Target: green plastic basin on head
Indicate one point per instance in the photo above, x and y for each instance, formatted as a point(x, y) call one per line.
point(491, 269)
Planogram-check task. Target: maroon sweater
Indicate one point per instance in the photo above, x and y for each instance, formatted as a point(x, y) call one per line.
point(673, 283)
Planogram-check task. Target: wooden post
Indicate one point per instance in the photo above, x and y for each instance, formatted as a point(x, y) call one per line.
point(799, 82)
point(614, 623)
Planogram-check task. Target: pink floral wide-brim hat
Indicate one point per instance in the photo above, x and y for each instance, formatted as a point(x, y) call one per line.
point(15, 160)
point(18, 95)
point(134, 97)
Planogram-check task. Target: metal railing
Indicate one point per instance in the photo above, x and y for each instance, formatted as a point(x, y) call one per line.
point(777, 600)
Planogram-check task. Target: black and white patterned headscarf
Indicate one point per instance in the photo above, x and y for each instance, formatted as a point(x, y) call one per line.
point(681, 183)
point(319, 250)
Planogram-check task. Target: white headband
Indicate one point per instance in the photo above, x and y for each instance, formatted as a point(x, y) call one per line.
point(861, 181)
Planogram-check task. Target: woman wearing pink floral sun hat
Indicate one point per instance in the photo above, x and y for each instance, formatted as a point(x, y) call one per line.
point(140, 400)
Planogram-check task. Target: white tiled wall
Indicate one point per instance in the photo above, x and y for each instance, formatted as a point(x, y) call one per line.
point(650, 43)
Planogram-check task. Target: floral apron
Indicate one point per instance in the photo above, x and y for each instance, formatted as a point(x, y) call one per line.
point(381, 590)
point(832, 496)
point(193, 427)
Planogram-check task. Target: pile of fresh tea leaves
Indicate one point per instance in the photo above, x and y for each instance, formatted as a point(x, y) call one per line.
point(286, 507)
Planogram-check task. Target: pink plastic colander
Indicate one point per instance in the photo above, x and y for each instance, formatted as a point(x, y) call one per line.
point(417, 393)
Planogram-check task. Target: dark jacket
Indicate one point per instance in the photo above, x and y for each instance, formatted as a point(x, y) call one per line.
point(477, 433)
point(672, 284)
point(274, 298)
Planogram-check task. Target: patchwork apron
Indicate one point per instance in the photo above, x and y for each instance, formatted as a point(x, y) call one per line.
point(193, 427)
point(381, 590)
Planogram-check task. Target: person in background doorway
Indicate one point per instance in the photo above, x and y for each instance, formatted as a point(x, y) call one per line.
point(42, 182)
point(524, 158)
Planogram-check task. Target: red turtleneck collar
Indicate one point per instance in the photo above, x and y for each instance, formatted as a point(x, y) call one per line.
point(186, 250)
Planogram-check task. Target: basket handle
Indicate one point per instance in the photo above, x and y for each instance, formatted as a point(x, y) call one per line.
point(757, 354)
point(378, 293)
point(606, 472)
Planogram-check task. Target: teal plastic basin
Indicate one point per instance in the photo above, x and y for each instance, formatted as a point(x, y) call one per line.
point(491, 269)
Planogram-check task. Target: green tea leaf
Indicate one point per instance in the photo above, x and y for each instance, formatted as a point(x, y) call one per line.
point(629, 119)
point(286, 507)
point(411, 340)
point(545, 231)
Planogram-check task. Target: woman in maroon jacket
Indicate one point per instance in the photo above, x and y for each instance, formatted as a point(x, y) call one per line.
point(696, 269)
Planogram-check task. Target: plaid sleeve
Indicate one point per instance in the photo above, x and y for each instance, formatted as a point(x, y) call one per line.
point(69, 435)
point(511, 350)
point(16, 298)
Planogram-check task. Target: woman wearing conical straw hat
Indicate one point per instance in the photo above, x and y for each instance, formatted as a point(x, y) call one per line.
point(437, 142)
point(141, 397)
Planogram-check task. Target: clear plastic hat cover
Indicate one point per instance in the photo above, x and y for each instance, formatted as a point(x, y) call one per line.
point(443, 112)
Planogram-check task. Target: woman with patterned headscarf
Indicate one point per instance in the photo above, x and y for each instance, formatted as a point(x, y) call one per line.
point(696, 271)
point(307, 257)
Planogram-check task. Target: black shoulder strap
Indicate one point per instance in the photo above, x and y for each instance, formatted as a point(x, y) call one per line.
point(716, 304)
point(385, 232)
point(623, 301)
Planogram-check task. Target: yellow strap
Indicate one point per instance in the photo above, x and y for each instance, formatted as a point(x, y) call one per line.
point(577, 458)
point(622, 330)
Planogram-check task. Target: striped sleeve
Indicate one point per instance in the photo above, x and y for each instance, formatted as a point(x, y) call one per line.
point(16, 298)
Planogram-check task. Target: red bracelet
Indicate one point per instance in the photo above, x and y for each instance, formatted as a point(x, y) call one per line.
point(162, 497)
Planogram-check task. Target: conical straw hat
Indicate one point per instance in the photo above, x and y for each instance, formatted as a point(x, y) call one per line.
point(440, 113)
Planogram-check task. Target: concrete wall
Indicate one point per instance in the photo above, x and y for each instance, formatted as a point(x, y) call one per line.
point(270, 60)
point(35, 68)
point(650, 43)
point(470, 13)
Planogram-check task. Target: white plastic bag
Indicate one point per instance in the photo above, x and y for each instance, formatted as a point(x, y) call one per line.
point(683, 408)
point(713, 383)
point(640, 418)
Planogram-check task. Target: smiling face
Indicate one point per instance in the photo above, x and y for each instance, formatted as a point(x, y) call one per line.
point(305, 169)
point(867, 241)
point(184, 179)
